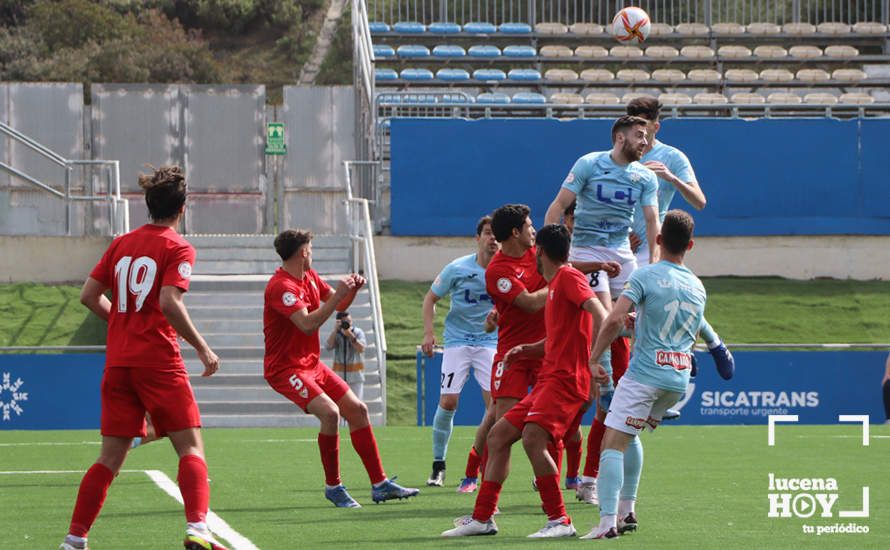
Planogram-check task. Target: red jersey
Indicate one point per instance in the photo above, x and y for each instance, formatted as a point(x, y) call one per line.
point(505, 279)
point(286, 345)
point(135, 267)
point(566, 355)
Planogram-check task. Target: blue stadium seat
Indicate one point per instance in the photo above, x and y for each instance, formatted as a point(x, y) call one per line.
point(445, 50)
point(493, 98)
point(452, 75)
point(389, 99)
point(419, 98)
point(451, 99)
point(489, 75)
point(383, 75)
point(484, 51)
point(515, 28)
point(383, 51)
point(444, 28)
point(520, 51)
point(413, 51)
point(378, 27)
point(384, 124)
point(480, 28)
point(417, 75)
point(524, 75)
point(409, 27)
point(529, 98)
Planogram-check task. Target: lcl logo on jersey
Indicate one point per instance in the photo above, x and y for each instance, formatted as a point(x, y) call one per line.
point(618, 195)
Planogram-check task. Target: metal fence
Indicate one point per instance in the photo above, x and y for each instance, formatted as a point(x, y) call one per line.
point(671, 12)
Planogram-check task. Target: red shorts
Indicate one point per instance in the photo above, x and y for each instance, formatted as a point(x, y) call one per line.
point(549, 405)
point(303, 385)
point(164, 392)
point(514, 380)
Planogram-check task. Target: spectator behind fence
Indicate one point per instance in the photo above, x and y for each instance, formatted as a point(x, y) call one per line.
point(348, 342)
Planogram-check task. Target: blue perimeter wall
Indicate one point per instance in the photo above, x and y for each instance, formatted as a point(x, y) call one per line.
point(761, 177)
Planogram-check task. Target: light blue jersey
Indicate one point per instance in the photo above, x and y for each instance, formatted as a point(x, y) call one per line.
point(464, 279)
point(677, 163)
point(670, 305)
point(607, 194)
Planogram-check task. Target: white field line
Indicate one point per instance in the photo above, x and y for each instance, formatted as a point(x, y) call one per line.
point(50, 443)
point(217, 525)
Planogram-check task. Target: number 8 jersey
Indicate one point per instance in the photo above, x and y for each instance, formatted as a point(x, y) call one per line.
point(670, 304)
point(135, 267)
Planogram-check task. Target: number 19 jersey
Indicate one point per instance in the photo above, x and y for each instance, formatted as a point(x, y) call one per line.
point(670, 303)
point(135, 267)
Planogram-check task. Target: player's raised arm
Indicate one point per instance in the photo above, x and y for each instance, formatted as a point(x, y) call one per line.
point(652, 228)
point(310, 322)
point(93, 296)
point(429, 315)
point(684, 181)
point(563, 199)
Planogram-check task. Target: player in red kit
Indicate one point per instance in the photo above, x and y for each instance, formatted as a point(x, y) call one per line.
point(518, 292)
point(147, 271)
point(297, 303)
point(562, 391)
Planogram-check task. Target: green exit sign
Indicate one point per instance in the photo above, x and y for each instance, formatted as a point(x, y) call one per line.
point(275, 144)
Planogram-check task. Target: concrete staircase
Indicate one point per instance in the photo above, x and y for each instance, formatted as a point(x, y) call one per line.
point(225, 301)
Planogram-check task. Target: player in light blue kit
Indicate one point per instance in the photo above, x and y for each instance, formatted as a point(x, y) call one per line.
point(670, 306)
point(470, 343)
point(674, 173)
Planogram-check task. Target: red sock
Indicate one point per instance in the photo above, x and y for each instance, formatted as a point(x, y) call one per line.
point(194, 487)
point(555, 450)
point(483, 462)
point(487, 501)
point(90, 497)
point(551, 497)
point(573, 457)
point(594, 442)
point(366, 446)
point(473, 462)
point(620, 357)
point(329, 447)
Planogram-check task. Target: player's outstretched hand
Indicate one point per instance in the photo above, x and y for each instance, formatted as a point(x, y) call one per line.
point(600, 376)
point(210, 361)
point(635, 242)
point(660, 169)
point(612, 269)
point(513, 354)
point(429, 341)
point(359, 281)
point(491, 320)
point(345, 285)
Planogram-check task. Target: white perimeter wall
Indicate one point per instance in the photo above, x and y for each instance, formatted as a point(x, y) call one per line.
point(839, 257)
point(70, 259)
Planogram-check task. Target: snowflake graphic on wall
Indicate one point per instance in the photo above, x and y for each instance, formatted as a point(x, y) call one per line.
point(14, 399)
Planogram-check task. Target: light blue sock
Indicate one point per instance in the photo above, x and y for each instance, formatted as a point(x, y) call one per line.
point(443, 423)
point(610, 480)
point(633, 467)
point(708, 334)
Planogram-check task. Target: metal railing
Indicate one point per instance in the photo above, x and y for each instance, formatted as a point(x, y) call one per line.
point(361, 234)
point(119, 215)
point(671, 12)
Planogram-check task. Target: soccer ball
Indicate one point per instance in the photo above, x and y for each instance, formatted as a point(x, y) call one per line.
point(631, 25)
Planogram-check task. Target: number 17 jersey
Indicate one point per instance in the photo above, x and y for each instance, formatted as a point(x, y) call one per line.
point(135, 267)
point(670, 303)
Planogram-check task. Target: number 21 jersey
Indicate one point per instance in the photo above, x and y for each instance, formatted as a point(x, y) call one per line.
point(135, 267)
